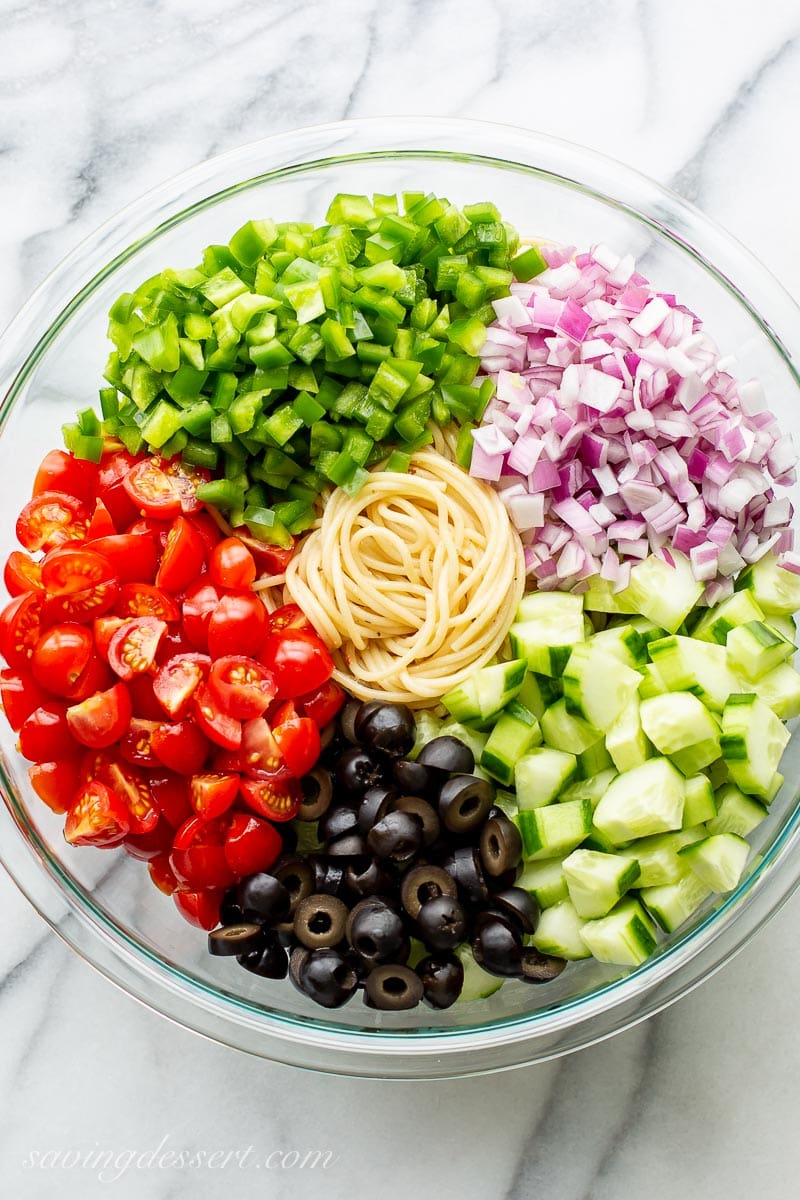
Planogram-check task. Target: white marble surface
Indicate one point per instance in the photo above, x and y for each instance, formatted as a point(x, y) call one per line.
point(101, 99)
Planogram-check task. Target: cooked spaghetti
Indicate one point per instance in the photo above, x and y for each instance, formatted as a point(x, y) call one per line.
point(413, 582)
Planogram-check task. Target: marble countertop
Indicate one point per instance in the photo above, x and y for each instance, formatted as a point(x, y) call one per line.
point(102, 99)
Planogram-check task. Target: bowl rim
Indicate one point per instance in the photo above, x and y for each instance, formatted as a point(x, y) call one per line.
point(416, 1053)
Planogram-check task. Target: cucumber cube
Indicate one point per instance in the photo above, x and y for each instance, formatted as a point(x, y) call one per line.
point(555, 829)
point(756, 648)
point(699, 804)
point(775, 590)
point(674, 903)
point(625, 739)
point(516, 732)
point(625, 937)
point(717, 623)
point(559, 932)
point(666, 594)
point(541, 774)
point(478, 984)
point(597, 686)
point(545, 880)
point(736, 813)
point(657, 856)
point(597, 881)
point(753, 740)
point(681, 727)
point(780, 690)
point(719, 860)
point(644, 801)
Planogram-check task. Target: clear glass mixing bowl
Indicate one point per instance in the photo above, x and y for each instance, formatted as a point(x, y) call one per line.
point(51, 360)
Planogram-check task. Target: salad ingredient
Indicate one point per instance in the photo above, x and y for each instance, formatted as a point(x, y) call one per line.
point(411, 585)
point(96, 817)
point(50, 519)
point(617, 429)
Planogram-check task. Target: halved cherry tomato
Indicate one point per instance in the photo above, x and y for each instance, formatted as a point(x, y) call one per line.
point(231, 564)
point(299, 661)
point(22, 574)
point(227, 762)
point(173, 644)
point(55, 782)
point(62, 472)
point(289, 616)
point(135, 746)
point(198, 855)
point(147, 846)
point(180, 746)
point(171, 794)
point(127, 782)
point(133, 556)
point(212, 795)
point(251, 844)
point(102, 719)
point(163, 876)
point(274, 794)
point(183, 558)
point(323, 704)
point(162, 489)
point(73, 569)
point(100, 524)
point(144, 600)
point(20, 628)
point(223, 730)
point(151, 527)
point(199, 908)
point(143, 700)
point(243, 687)
point(96, 817)
point(270, 560)
point(237, 625)
point(45, 734)
point(132, 649)
point(298, 741)
point(259, 751)
point(207, 527)
point(104, 629)
point(50, 520)
point(110, 489)
point(20, 695)
point(178, 680)
point(95, 677)
point(81, 606)
point(62, 654)
point(198, 604)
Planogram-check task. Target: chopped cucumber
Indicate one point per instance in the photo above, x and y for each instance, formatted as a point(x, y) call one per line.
point(485, 694)
point(559, 932)
point(699, 804)
point(664, 593)
point(785, 626)
point(428, 727)
point(478, 984)
point(716, 623)
point(753, 740)
point(541, 774)
point(592, 788)
point(597, 881)
point(624, 642)
point(775, 590)
point(555, 829)
point(652, 684)
point(545, 880)
point(597, 686)
point(626, 937)
point(756, 648)
point(644, 801)
point(780, 689)
point(736, 813)
point(546, 627)
point(625, 740)
point(516, 732)
point(673, 903)
point(538, 692)
point(719, 860)
point(600, 597)
point(702, 668)
point(657, 856)
point(679, 726)
point(562, 730)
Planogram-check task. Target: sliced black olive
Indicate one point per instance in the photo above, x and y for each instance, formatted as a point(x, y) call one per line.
point(376, 931)
point(520, 906)
point(424, 883)
point(447, 754)
point(392, 987)
point(389, 728)
point(337, 821)
point(374, 806)
point(497, 946)
point(297, 876)
point(358, 770)
point(317, 788)
point(230, 911)
point(347, 718)
point(501, 844)
point(464, 801)
point(271, 960)
point(328, 874)
point(540, 968)
point(263, 897)
point(498, 883)
point(325, 977)
point(348, 845)
point(442, 978)
point(417, 807)
point(413, 778)
point(366, 877)
point(298, 958)
point(442, 923)
point(319, 921)
point(464, 865)
point(398, 836)
point(235, 939)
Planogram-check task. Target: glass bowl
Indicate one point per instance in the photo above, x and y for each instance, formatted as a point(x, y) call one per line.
point(51, 361)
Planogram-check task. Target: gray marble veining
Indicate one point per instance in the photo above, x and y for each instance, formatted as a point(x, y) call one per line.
point(101, 100)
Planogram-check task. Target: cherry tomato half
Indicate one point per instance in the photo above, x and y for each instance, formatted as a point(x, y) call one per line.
point(81, 606)
point(62, 472)
point(251, 844)
point(20, 628)
point(299, 743)
point(144, 600)
point(198, 908)
point(136, 745)
point(323, 704)
point(163, 877)
point(133, 556)
point(132, 649)
point(183, 558)
point(147, 846)
point(231, 564)
point(243, 687)
point(162, 489)
point(102, 719)
point(198, 604)
point(70, 569)
point(270, 560)
point(51, 519)
point(259, 751)
point(237, 625)
point(110, 487)
point(276, 795)
point(198, 855)
point(95, 677)
point(220, 728)
point(289, 616)
point(299, 660)
point(96, 817)
point(100, 524)
point(62, 654)
point(177, 681)
point(212, 795)
point(20, 695)
point(22, 574)
point(45, 734)
point(129, 783)
point(171, 794)
point(55, 782)
point(180, 746)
